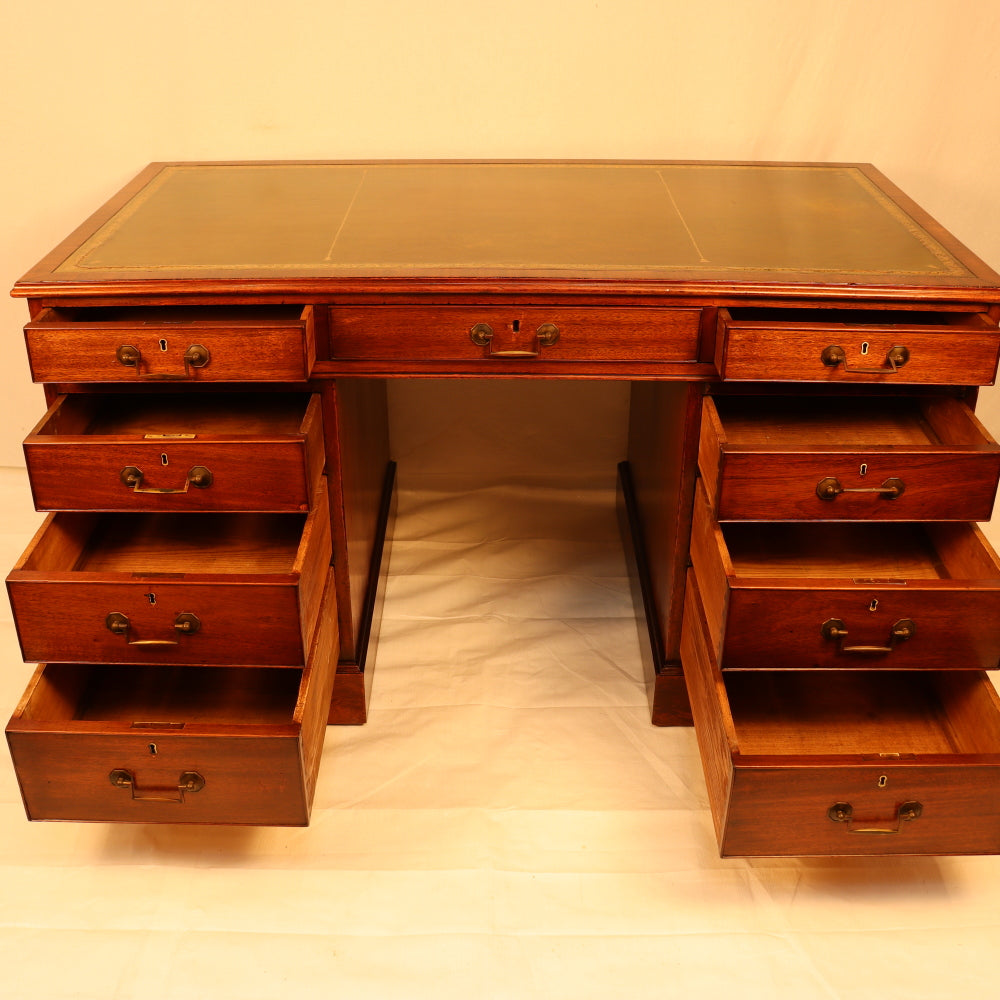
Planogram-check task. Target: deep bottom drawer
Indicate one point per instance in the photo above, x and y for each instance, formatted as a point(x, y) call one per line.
point(154, 744)
point(831, 763)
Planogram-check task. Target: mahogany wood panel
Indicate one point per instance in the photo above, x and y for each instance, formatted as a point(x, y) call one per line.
point(79, 345)
point(762, 458)
point(253, 581)
point(780, 750)
point(255, 736)
point(713, 722)
point(662, 456)
point(356, 424)
point(264, 451)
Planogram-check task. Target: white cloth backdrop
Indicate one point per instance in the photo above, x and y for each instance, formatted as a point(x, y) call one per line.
point(508, 824)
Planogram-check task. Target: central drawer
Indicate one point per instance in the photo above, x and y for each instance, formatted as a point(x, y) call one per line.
point(847, 595)
point(168, 744)
point(548, 333)
point(842, 763)
point(187, 589)
point(197, 451)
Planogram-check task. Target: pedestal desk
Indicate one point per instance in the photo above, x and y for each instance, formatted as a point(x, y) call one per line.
point(804, 471)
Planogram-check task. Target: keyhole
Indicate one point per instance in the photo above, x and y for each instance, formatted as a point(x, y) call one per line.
point(163, 344)
point(516, 325)
point(874, 604)
point(863, 470)
point(163, 459)
point(883, 780)
point(864, 347)
point(152, 598)
point(152, 748)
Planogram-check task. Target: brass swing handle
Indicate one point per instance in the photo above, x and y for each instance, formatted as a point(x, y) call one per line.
point(198, 476)
point(830, 488)
point(834, 628)
point(842, 812)
point(185, 623)
point(545, 336)
point(894, 360)
point(196, 356)
point(189, 781)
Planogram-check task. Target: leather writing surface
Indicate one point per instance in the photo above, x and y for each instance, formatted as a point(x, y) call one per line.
point(729, 220)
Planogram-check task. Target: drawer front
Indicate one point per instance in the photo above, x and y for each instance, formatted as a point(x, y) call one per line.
point(962, 350)
point(248, 779)
point(780, 599)
point(812, 627)
point(239, 609)
point(786, 810)
point(796, 472)
point(182, 345)
point(509, 334)
point(175, 745)
point(808, 776)
point(227, 623)
point(75, 466)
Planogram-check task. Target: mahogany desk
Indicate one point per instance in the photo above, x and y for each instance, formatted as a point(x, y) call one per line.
point(804, 346)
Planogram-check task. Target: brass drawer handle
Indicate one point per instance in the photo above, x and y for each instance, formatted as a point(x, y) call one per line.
point(185, 623)
point(189, 781)
point(834, 628)
point(196, 356)
point(842, 812)
point(830, 488)
point(545, 336)
point(198, 476)
point(894, 360)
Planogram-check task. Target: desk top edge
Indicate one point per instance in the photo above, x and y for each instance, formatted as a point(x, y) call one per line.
point(85, 264)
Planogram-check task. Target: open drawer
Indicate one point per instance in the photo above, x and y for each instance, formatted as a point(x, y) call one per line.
point(144, 344)
point(166, 744)
point(844, 763)
point(844, 595)
point(188, 589)
point(197, 451)
point(898, 458)
point(874, 346)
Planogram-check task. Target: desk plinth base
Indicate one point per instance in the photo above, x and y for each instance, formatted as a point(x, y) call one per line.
point(352, 692)
point(668, 698)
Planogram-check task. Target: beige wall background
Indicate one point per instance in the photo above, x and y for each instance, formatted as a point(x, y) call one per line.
point(89, 93)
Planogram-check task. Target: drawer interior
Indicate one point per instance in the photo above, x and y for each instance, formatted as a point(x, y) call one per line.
point(856, 317)
point(846, 421)
point(864, 712)
point(176, 317)
point(162, 697)
point(860, 551)
point(214, 414)
point(141, 544)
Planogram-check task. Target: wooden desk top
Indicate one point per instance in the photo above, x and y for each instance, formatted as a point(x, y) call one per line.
point(691, 226)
